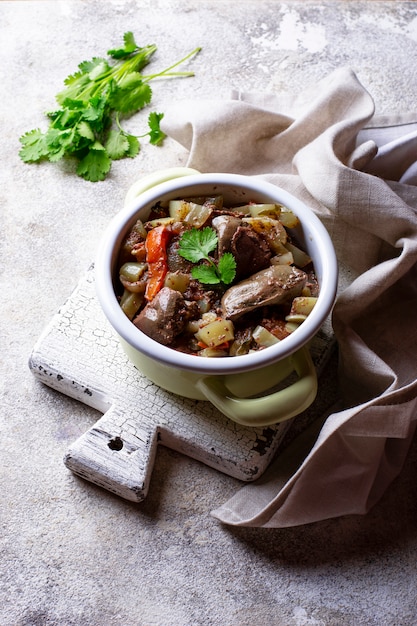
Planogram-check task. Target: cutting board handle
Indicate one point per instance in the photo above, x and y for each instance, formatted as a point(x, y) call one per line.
point(115, 454)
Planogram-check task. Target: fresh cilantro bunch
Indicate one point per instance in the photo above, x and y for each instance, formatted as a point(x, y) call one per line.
point(196, 245)
point(95, 98)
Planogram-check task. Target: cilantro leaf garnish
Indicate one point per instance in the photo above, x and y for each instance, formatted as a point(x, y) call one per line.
point(206, 274)
point(87, 126)
point(227, 267)
point(196, 245)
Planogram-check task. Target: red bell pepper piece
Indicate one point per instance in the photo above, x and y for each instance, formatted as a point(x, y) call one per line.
point(156, 256)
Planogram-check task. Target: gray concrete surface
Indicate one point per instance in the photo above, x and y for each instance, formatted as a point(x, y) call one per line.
point(71, 553)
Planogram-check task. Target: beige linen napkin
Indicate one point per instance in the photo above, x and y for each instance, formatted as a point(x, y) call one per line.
point(357, 172)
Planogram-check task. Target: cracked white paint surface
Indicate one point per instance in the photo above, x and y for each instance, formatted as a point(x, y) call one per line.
point(293, 34)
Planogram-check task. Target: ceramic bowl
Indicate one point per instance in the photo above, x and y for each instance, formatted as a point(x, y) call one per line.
point(244, 388)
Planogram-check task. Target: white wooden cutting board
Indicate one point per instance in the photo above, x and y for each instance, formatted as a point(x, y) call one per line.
point(79, 355)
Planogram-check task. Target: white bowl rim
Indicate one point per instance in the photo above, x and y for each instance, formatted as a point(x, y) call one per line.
point(217, 366)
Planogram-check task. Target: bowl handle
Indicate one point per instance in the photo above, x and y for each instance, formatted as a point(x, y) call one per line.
point(155, 178)
point(270, 409)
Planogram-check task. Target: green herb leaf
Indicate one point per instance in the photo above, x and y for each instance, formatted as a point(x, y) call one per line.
point(117, 144)
point(99, 70)
point(227, 268)
point(34, 146)
point(84, 129)
point(87, 68)
point(96, 108)
point(57, 142)
point(131, 98)
point(95, 165)
point(156, 135)
point(134, 146)
point(129, 47)
point(196, 244)
point(206, 274)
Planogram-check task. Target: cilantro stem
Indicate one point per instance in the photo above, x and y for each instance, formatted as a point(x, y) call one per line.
point(117, 120)
point(117, 71)
point(167, 71)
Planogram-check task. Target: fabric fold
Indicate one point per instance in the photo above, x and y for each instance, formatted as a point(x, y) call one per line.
point(326, 146)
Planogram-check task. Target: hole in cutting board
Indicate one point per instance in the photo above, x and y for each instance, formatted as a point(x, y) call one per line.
point(115, 444)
